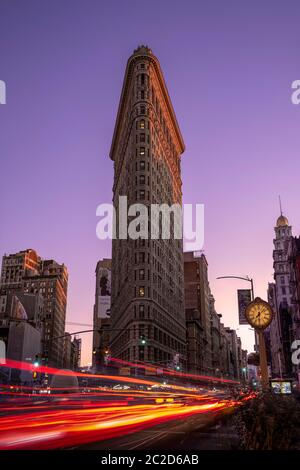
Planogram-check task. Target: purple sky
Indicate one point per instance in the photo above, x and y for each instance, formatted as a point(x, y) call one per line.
point(229, 68)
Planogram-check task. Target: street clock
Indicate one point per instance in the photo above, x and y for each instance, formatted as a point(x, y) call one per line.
point(259, 314)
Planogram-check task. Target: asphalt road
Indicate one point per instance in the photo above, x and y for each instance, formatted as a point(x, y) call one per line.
point(210, 431)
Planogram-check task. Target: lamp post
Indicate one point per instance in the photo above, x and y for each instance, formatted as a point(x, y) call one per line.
point(248, 279)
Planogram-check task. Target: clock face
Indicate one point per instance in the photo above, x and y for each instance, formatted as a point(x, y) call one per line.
point(259, 314)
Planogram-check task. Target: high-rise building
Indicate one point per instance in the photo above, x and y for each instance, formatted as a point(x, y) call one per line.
point(294, 261)
point(67, 348)
point(26, 273)
point(280, 297)
point(101, 318)
point(16, 266)
point(197, 299)
point(147, 311)
point(225, 353)
point(71, 352)
point(215, 322)
point(293, 253)
point(52, 282)
point(75, 353)
point(234, 353)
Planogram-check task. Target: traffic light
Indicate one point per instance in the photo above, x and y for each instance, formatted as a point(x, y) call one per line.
point(34, 375)
point(36, 362)
point(106, 356)
point(176, 362)
point(143, 341)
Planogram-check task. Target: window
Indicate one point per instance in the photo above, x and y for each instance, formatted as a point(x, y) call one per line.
point(142, 95)
point(141, 291)
point(142, 179)
point(141, 257)
point(141, 274)
point(142, 110)
point(142, 79)
point(141, 311)
point(142, 165)
point(142, 137)
point(142, 124)
point(142, 194)
point(142, 150)
point(142, 66)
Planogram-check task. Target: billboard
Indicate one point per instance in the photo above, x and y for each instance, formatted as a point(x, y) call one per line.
point(244, 298)
point(2, 352)
point(18, 311)
point(104, 290)
point(281, 387)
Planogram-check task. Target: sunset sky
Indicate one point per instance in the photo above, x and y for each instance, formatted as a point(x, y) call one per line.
point(228, 66)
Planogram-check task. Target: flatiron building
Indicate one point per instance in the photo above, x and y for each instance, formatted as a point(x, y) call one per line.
point(147, 309)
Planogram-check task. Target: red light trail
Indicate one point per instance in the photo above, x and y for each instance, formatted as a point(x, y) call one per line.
point(68, 417)
point(67, 427)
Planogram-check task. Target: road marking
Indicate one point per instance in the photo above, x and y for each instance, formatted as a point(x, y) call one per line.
point(140, 442)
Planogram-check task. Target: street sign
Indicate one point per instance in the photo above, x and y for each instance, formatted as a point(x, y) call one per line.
point(244, 299)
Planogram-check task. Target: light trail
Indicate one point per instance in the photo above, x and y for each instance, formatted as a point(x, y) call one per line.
point(67, 373)
point(51, 429)
point(173, 373)
point(73, 416)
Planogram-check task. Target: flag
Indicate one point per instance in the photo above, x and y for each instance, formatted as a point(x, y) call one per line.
point(244, 299)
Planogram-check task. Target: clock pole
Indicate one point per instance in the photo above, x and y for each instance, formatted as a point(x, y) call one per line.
point(259, 315)
point(263, 360)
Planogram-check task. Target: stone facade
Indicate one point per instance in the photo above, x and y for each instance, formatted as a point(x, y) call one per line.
point(197, 299)
point(280, 298)
point(25, 274)
point(101, 317)
point(147, 275)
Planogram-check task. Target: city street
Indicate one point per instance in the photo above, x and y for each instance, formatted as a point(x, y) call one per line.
point(209, 431)
point(119, 419)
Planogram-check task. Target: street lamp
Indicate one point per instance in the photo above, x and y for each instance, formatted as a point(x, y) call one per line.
point(248, 279)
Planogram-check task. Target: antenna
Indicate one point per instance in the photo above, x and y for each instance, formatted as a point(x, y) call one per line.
point(280, 206)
